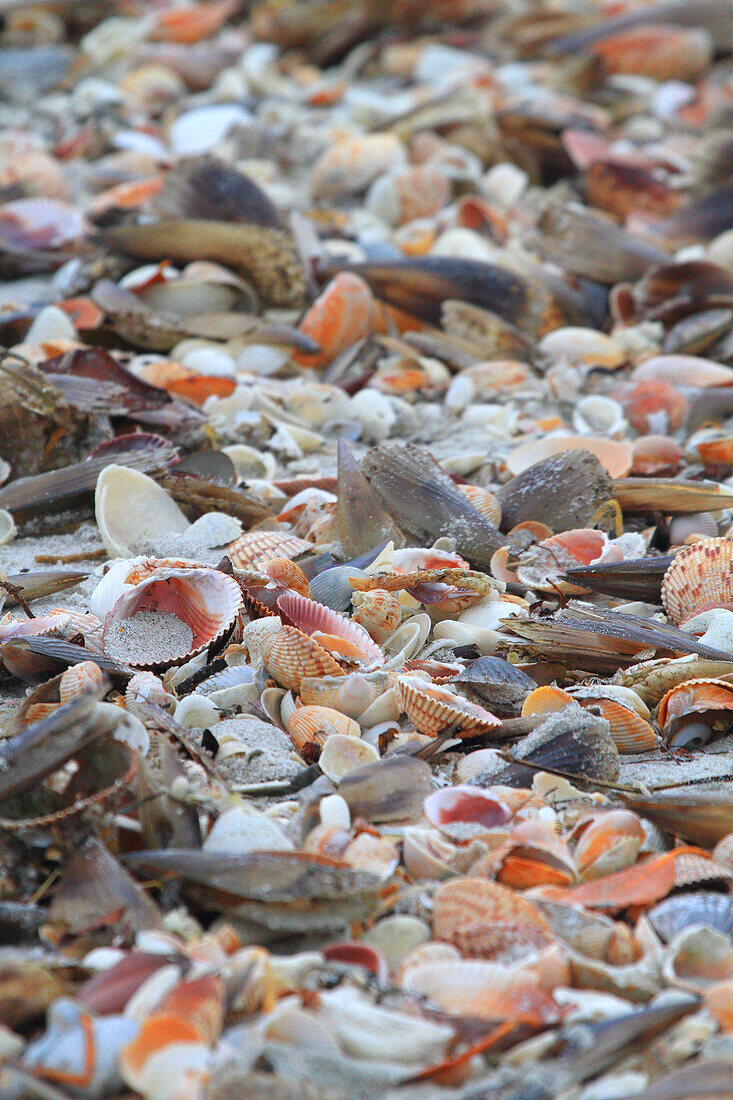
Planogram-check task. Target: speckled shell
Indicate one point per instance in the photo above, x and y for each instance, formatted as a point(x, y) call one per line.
point(484, 502)
point(256, 548)
point(79, 678)
point(432, 707)
point(700, 577)
point(314, 725)
point(290, 655)
point(378, 612)
point(482, 918)
point(695, 695)
point(342, 638)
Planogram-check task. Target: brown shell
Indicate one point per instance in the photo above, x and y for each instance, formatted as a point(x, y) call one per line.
point(432, 707)
point(290, 655)
point(482, 918)
point(700, 577)
point(313, 725)
point(256, 548)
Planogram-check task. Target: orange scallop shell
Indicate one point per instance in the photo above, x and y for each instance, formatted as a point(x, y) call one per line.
point(287, 574)
point(256, 548)
point(432, 707)
point(379, 612)
point(630, 732)
point(482, 918)
point(716, 452)
point(610, 843)
point(699, 578)
point(484, 502)
point(344, 639)
point(697, 695)
point(36, 712)
point(290, 655)
point(545, 700)
point(79, 678)
point(314, 725)
point(341, 315)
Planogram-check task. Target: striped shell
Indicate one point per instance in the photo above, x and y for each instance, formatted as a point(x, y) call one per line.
point(484, 502)
point(206, 600)
point(432, 707)
point(378, 611)
point(630, 732)
point(257, 548)
point(695, 696)
point(350, 694)
point(290, 655)
point(482, 918)
point(314, 725)
point(700, 577)
point(36, 712)
point(79, 678)
point(288, 575)
point(344, 639)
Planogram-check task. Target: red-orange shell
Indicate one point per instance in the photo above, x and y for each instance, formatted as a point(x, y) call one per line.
point(695, 696)
point(699, 578)
point(482, 918)
point(314, 725)
point(290, 655)
point(432, 707)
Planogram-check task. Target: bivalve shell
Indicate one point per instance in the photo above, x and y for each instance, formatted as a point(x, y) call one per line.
point(290, 655)
point(433, 707)
point(699, 578)
point(257, 548)
point(314, 725)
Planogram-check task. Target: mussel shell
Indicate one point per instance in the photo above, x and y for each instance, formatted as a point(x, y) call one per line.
point(391, 790)
point(682, 910)
point(497, 682)
point(640, 579)
point(564, 492)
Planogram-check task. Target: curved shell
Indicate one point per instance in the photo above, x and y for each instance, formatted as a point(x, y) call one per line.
point(77, 679)
point(340, 316)
point(205, 603)
point(694, 696)
point(631, 733)
point(616, 457)
point(290, 655)
point(378, 612)
point(482, 918)
point(610, 843)
point(314, 725)
point(350, 694)
point(148, 687)
point(484, 502)
point(257, 548)
point(700, 577)
point(688, 370)
point(344, 753)
point(341, 637)
point(286, 573)
point(131, 510)
point(432, 707)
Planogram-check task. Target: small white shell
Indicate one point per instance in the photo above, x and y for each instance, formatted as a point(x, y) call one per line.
point(244, 829)
point(8, 530)
point(598, 415)
point(132, 510)
point(196, 712)
point(342, 754)
point(407, 640)
point(334, 810)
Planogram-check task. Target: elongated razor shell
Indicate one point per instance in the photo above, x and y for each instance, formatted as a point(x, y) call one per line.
point(648, 494)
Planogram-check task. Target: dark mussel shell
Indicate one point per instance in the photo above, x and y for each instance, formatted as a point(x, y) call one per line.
point(496, 682)
point(564, 492)
point(362, 520)
point(681, 910)
point(702, 818)
point(640, 579)
point(210, 189)
point(670, 495)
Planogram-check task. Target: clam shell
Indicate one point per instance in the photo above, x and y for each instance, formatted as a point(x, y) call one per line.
point(313, 725)
point(341, 637)
point(407, 640)
point(205, 600)
point(483, 919)
point(256, 548)
point(8, 530)
point(290, 655)
point(433, 707)
point(86, 676)
point(332, 589)
point(698, 957)
point(694, 696)
point(351, 694)
point(609, 844)
point(674, 914)
point(132, 510)
point(343, 754)
point(615, 457)
point(699, 577)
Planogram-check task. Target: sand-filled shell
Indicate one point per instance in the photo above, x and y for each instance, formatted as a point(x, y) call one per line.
point(314, 725)
point(432, 708)
point(170, 617)
point(345, 640)
point(700, 577)
point(257, 548)
point(290, 655)
point(378, 612)
point(132, 510)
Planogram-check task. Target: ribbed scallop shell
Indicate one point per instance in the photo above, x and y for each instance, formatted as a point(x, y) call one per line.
point(256, 548)
point(482, 918)
point(700, 577)
point(290, 655)
point(695, 696)
point(484, 502)
point(79, 678)
point(345, 640)
point(432, 707)
point(378, 612)
point(314, 725)
point(206, 600)
point(36, 712)
point(288, 575)
point(545, 700)
point(630, 732)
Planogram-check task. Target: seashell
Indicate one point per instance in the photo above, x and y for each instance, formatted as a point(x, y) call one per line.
point(332, 589)
point(341, 316)
point(615, 457)
point(405, 194)
point(564, 492)
point(132, 510)
point(699, 578)
point(351, 694)
point(630, 732)
point(349, 166)
point(582, 346)
point(86, 676)
point(484, 502)
point(341, 637)
point(334, 811)
point(534, 856)
point(433, 707)
point(680, 911)
point(590, 934)
point(202, 603)
point(148, 687)
point(685, 370)
point(290, 655)
point(427, 854)
point(697, 958)
point(372, 1032)
point(8, 530)
point(198, 1001)
point(377, 856)
point(167, 1052)
point(655, 454)
point(689, 711)
point(716, 452)
point(653, 407)
point(657, 51)
point(378, 612)
point(343, 754)
point(611, 842)
point(483, 919)
point(287, 574)
point(465, 805)
point(495, 681)
point(257, 548)
point(243, 829)
point(596, 414)
point(391, 790)
point(196, 712)
point(407, 640)
point(481, 990)
point(313, 725)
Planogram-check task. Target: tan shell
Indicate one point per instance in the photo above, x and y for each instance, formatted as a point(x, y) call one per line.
point(290, 655)
point(79, 678)
point(484, 502)
point(287, 574)
point(350, 694)
point(257, 548)
point(378, 611)
point(314, 725)
point(700, 577)
point(432, 707)
point(482, 918)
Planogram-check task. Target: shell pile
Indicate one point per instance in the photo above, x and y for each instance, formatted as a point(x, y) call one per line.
point(366, 549)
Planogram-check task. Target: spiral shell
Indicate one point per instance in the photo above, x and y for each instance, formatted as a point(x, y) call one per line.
point(432, 707)
point(257, 548)
point(700, 577)
point(290, 655)
point(314, 725)
point(79, 678)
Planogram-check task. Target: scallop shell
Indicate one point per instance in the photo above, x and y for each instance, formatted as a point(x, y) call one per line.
point(484, 502)
point(288, 575)
point(341, 637)
point(339, 317)
point(700, 577)
point(610, 843)
point(148, 687)
point(314, 725)
point(132, 510)
point(206, 600)
point(698, 695)
point(332, 589)
point(290, 655)
point(482, 918)
point(378, 612)
point(344, 753)
point(256, 548)
point(630, 732)
point(77, 679)
point(432, 707)
point(680, 911)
